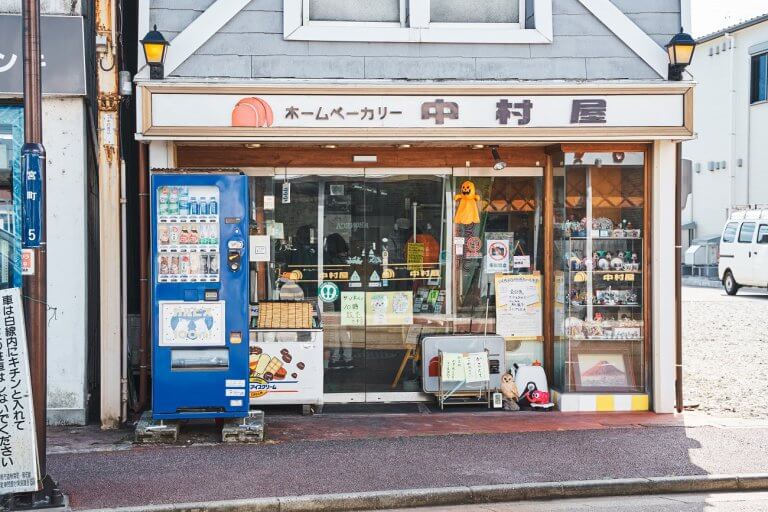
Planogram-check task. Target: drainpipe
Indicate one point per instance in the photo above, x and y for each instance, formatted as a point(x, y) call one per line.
point(730, 48)
point(144, 297)
point(678, 283)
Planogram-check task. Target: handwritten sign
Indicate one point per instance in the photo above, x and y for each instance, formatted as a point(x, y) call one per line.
point(518, 306)
point(389, 308)
point(466, 367)
point(414, 255)
point(353, 308)
point(18, 445)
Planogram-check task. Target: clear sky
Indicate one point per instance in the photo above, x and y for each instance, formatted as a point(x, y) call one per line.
point(712, 15)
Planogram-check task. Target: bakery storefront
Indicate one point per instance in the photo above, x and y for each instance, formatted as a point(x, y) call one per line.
point(543, 214)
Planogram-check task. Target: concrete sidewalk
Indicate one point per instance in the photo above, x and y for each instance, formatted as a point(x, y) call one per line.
point(356, 453)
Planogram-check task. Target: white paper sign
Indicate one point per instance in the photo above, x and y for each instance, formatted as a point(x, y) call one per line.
point(286, 193)
point(259, 247)
point(518, 306)
point(521, 261)
point(496, 256)
point(18, 445)
point(471, 367)
point(269, 202)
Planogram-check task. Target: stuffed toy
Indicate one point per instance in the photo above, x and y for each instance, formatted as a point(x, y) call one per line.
point(510, 394)
point(466, 212)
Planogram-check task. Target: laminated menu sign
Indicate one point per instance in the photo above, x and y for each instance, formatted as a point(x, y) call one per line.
point(353, 308)
point(389, 308)
point(466, 367)
point(18, 445)
point(518, 306)
point(414, 254)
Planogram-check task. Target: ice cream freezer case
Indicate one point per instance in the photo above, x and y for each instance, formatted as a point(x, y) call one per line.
point(286, 367)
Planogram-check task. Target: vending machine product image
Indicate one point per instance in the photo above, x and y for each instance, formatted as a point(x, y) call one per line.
point(199, 295)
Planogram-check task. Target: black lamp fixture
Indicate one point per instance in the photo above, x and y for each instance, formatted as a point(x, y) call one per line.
point(155, 47)
point(680, 50)
point(498, 163)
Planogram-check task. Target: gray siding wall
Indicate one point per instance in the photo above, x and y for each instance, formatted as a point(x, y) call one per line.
point(251, 45)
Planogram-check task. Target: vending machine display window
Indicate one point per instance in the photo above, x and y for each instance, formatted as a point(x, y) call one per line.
point(188, 234)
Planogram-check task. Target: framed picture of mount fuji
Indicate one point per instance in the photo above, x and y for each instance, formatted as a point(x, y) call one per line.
point(603, 371)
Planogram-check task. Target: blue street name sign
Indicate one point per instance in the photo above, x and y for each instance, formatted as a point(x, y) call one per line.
point(33, 176)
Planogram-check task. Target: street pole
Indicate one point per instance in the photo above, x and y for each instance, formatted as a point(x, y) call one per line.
point(112, 387)
point(34, 285)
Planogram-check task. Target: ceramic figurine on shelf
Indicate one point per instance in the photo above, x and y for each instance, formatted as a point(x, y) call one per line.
point(509, 392)
point(598, 317)
point(635, 262)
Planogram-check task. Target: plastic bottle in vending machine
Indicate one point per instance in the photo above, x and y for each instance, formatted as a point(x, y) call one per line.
point(174, 265)
point(163, 264)
point(194, 206)
point(194, 264)
point(203, 235)
point(173, 201)
point(194, 234)
point(175, 234)
point(213, 206)
point(184, 237)
point(183, 200)
point(214, 265)
point(206, 269)
point(162, 201)
point(184, 265)
point(213, 234)
point(203, 202)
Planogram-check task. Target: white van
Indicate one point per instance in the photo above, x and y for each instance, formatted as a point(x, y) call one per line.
point(744, 250)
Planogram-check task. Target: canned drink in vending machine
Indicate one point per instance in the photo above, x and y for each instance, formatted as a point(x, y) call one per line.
point(163, 264)
point(163, 235)
point(175, 234)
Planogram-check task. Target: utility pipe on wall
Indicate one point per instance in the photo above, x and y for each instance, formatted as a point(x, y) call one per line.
point(144, 297)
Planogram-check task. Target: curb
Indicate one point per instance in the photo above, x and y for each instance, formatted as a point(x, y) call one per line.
point(382, 500)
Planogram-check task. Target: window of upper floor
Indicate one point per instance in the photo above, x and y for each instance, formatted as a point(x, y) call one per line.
point(759, 78)
point(426, 21)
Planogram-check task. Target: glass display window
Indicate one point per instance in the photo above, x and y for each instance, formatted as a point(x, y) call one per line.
point(599, 260)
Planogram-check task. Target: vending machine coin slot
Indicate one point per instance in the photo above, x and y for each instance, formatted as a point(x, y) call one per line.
point(235, 254)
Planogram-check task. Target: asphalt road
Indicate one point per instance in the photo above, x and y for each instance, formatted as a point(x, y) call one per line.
point(155, 475)
point(725, 351)
point(725, 502)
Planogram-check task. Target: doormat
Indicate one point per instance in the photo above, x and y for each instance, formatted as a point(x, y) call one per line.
point(404, 408)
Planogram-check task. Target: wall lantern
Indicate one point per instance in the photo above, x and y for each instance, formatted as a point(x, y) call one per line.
point(680, 50)
point(155, 47)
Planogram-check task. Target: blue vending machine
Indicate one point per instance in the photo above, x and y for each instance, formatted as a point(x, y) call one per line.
point(199, 295)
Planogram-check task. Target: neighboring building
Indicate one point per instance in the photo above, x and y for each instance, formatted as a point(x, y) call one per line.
point(375, 112)
point(729, 156)
point(70, 200)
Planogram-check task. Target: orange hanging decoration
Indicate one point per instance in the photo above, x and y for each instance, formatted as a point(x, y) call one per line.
point(467, 212)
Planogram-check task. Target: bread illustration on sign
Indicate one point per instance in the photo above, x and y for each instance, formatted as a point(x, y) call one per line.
point(252, 113)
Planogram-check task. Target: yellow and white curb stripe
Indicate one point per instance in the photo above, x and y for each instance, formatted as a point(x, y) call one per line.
point(583, 402)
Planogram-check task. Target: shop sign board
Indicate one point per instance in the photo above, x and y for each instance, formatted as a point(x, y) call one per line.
point(501, 111)
point(518, 306)
point(465, 367)
point(62, 49)
point(18, 445)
